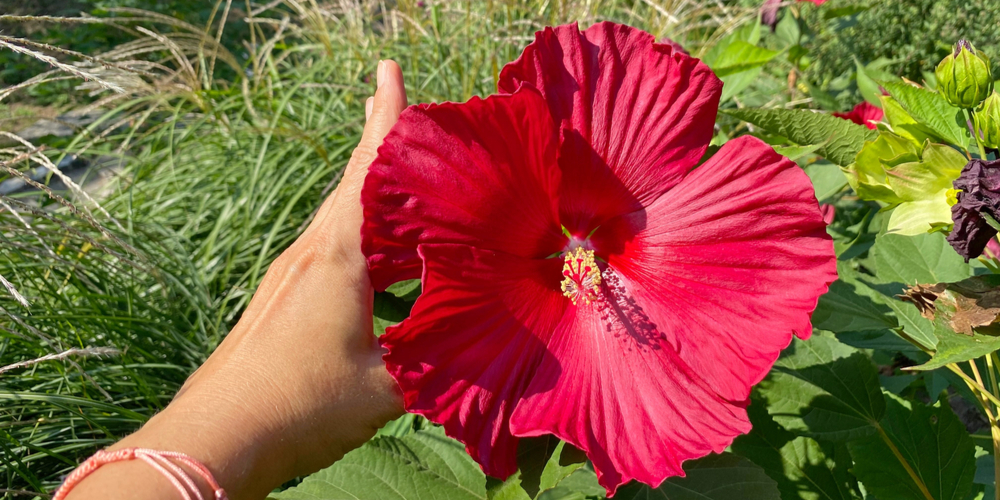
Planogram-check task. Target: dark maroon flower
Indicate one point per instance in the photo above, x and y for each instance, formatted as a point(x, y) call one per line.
point(978, 195)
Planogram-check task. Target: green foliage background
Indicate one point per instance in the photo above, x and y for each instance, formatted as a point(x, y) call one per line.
point(914, 34)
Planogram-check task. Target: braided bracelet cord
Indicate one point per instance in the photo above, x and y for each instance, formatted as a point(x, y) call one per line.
point(159, 460)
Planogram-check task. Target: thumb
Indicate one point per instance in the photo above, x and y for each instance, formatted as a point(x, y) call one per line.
point(381, 111)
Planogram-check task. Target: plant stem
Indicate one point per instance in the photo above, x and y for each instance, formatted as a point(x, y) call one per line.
point(977, 388)
point(906, 465)
point(994, 429)
point(996, 463)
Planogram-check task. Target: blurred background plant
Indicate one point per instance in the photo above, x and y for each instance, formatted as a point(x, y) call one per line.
point(155, 157)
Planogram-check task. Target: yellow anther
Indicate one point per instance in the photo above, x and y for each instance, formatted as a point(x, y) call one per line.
point(581, 276)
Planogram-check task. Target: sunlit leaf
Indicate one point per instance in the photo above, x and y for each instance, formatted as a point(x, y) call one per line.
point(902, 123)
point(425, 465)
point(841, 139)
point(741, 56)
point(925, 258)
point(931, 110)
point(824, 389)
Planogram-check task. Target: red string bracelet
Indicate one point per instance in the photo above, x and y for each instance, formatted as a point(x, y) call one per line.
point(159, 460)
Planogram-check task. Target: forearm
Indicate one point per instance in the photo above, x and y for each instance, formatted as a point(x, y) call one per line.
point(299, 381)
point(229, 444)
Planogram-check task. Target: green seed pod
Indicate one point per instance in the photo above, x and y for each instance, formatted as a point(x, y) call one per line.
point(988, 121)
point(964, 77)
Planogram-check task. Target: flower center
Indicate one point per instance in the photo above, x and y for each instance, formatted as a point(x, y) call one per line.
point(581, 277)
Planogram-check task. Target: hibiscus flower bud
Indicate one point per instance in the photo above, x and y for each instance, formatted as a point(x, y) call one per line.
point(978, 197)
point(964, 77)
point(988, 121)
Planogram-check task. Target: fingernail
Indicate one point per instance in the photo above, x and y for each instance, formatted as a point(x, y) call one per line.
point(380, 75)
point(369, 105)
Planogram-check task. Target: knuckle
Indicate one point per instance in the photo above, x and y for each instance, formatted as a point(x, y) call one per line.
point(299, 258)
point(364, 154)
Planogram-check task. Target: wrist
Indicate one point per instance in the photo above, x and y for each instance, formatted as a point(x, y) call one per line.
point(234, 445)
point(238, 461)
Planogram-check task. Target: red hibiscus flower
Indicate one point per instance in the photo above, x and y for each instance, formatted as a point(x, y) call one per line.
point(864, 113)
point(582, 275)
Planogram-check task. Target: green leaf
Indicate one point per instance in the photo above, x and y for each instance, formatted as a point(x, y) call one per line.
point(787, 29)
point(715, 477)
point(400, 427)
point(841, 139)
point(930, 177)
point(985, 471)
point(930, 439)
point(738, 82)
point(425, 465)
point(533, 458)
point(902, 124)
point(795, 153)
point(915, 327)
point(931, 110)
point(822, 98)
point(913, 218)
point(506, 490)
point(868, 174)
point(800, 465)
point(849, 306)
point(883, 340)
point(582, 483)
point(866, 85)
point(559, 467)
point(827, 179)
point(407, 290)
point(926, 258)
point(388, 310)
point(824, 389)
point(741, 56)
point(955, 347)
point(847, 10)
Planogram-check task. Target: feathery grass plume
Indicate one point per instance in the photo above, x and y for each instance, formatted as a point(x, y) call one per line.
point(68, 68)
point(89, 351)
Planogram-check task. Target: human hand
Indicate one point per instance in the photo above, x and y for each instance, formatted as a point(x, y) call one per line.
point(299, 381)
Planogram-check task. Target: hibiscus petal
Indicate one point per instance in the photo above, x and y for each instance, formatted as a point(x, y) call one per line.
point(645, 110)
point(482, 173)
point(467, 352)
point(729, 263)
point(864, 113)
point(614, 388)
